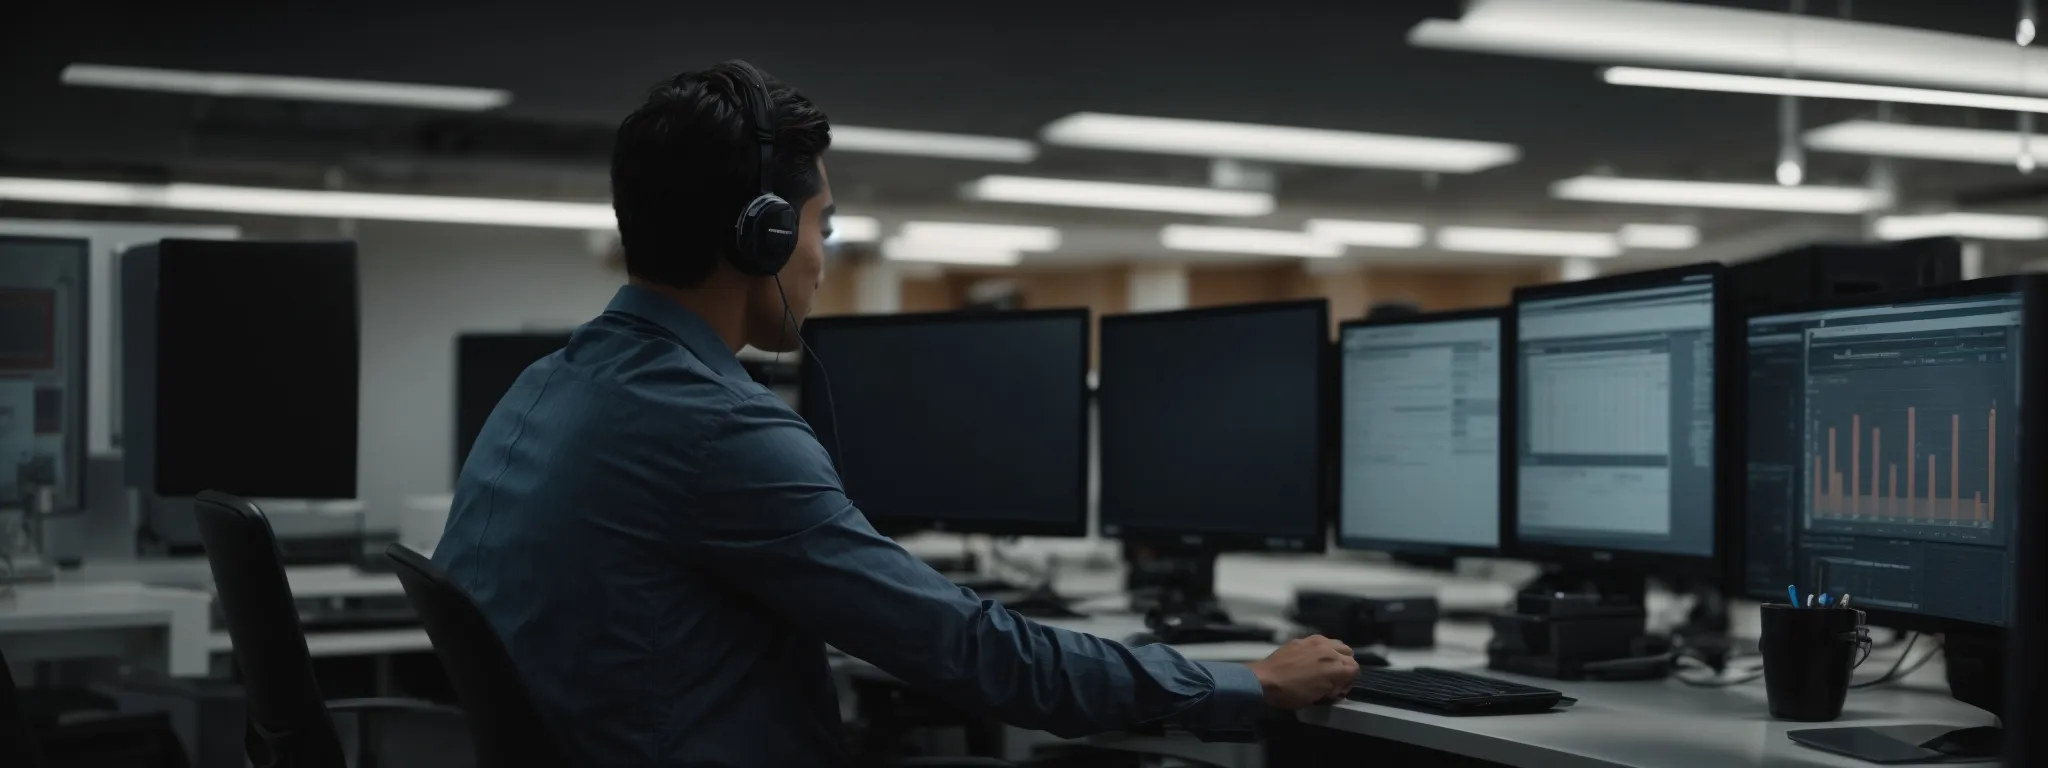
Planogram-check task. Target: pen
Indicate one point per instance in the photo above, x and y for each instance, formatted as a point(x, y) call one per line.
point(1793, 592)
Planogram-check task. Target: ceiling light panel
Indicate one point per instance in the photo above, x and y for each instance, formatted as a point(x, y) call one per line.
point(237, 85)
point(1815, 89)
point(1528, 242)
point(1369, 234)
point(1706, 36)
point(1200, 201)
point(1662, 237)
point(855, 229)
point(1987, 226)
point(899, 249)
point(1922, 142)
point(1274, 143)
point(1245, 240)
point(890, 141)
point(1720, 194)
point(999, 236)
point(314, 203)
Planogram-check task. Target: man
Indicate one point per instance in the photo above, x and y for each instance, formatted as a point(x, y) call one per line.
point(664, 546)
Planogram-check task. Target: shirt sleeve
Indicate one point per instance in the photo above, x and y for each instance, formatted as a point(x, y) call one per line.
point(775, 522)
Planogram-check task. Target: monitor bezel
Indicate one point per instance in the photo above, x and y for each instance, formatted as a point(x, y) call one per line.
point(1075, 525)
point(2033, 421)
point(1225, 541)
point(78, 451)
point(1499, 315)
point(1728, 436)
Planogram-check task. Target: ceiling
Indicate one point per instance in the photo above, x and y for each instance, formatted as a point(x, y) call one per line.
point(1004, 71)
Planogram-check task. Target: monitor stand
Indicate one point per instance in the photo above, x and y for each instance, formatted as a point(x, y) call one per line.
point(1176, 590)
point(1976, 676)
point(1579, 625)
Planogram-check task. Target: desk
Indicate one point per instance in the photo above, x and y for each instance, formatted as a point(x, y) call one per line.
point(1660, 723)
point(157, 627)
point(308, 582)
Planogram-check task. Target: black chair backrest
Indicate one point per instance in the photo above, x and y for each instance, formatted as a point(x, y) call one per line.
point(17, 747)
point(504, 722)
point(289, 726)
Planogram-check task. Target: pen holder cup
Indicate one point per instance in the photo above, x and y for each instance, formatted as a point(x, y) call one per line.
point(1808, 655)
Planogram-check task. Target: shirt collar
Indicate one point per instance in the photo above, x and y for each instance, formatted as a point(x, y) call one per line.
point(682, 323)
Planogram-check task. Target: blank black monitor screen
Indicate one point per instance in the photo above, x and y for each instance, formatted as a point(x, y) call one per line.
point(1420, 469)
point(1615, 446)
point(1212, 425)
point(1884, 454)
point(258, 352)
point(486, 364)
point(971, 422)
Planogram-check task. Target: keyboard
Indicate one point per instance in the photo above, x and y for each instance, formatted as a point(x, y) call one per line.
point(1442, 690)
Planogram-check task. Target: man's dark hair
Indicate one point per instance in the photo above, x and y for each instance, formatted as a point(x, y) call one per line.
point(686, 163)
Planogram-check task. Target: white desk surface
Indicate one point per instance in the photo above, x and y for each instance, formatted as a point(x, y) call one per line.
point(62, 610)
point(1657, 723)
point(307, 581)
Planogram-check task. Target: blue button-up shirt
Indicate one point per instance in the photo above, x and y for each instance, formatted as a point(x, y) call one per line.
point(666, 551)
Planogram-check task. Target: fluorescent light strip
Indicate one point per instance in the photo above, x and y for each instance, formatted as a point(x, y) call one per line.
point(1706, 36)
point(1717, 194)
point(1663, 237)
point(890, 141)
point(1274, 143)
point(1130, 197)
point(1528, 242)
point(1964, 145)
point(1815, 89)
point(234, 85)
point(998, 236)
point(1988, 226)
point(301, 202)
point(899, 249)
point(1260, 242)
point(855, 229)
point(1369, 234)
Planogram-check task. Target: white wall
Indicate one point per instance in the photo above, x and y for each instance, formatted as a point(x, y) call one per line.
point(422, 285)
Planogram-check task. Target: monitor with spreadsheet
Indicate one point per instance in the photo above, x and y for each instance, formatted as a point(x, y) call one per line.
point(1419, 468)
point(975, 422)
point(1615, 457)
point(1884, 451)
point(1213, 426)
point(42, 374)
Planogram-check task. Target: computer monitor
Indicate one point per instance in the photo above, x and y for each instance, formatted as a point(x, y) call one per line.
point(1419, 458)
point(42, 373)
point(1886, 451)
point(486, 364)
point(1213, 427)
point(975, 422)
point(1617, 453)
point(241, 363)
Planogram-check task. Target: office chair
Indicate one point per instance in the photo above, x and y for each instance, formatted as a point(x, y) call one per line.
point(16, 746)
point(289, 724)
point(504, 723)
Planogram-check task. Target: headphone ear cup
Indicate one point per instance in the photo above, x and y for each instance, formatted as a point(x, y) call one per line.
point(765, 236)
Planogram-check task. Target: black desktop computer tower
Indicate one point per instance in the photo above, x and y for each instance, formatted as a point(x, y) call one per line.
point(1825, 270)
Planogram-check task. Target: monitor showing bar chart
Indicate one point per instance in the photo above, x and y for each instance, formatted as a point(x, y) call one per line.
point(1884, 453)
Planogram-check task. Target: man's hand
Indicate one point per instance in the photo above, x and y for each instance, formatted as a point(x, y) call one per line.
point(1306, 671)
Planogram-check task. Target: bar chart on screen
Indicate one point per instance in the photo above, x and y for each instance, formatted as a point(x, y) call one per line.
point(1912, 457)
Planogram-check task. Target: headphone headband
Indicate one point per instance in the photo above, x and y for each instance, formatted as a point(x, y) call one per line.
point(755, 94)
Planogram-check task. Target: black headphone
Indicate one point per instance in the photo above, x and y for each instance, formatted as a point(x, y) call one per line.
point(765, 234)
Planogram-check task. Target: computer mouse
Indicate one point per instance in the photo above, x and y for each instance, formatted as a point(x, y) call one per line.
point(1367, 658)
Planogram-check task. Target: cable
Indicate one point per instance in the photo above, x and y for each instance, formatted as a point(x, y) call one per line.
point(1900, 668)
point(831, 408)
